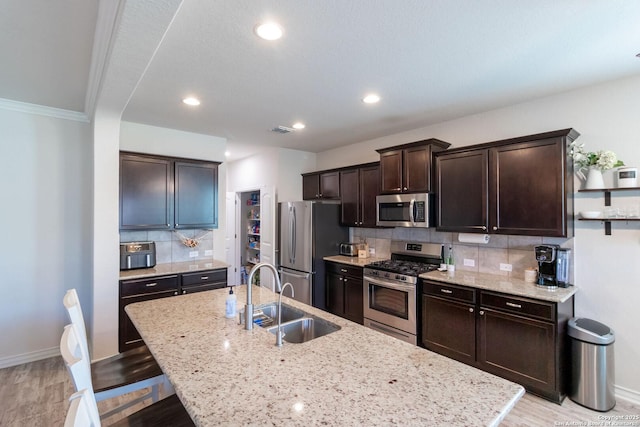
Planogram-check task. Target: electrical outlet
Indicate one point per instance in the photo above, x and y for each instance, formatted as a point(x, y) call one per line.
point(469, 262)
point(505, 267)
point(193, 254)
point(208, 252)
point(372, 251)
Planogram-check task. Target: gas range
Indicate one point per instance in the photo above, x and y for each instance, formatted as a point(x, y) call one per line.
point(408, 261)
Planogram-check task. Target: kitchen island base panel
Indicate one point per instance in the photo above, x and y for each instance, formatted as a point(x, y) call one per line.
point(366, 378)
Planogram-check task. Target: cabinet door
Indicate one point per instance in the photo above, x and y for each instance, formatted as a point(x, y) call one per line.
point(330, 185)
point(369, 189)
point(462, 191)
point(391, 171)
point(353, 299)
point(417, 169)
point(335, 293)
point(196, 195)
point(146, 191)
point(527, 188)
point(311, 186)
point(518, 348)
point(350, 198)
point(449, 328)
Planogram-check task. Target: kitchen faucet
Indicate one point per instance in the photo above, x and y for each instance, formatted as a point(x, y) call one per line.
point(279, 333)
point(248, 308)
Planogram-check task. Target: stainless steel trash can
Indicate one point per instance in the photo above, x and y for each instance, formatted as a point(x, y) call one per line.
point(592, 364)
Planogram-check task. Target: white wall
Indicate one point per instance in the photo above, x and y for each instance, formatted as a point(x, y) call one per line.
point(45, 184)
point(607, 270)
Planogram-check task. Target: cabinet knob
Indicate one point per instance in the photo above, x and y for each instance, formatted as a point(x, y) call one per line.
point(495, 228)
point(184, 292)
point(345, 280)
point(404, 188)
point(481, 312)
point(168, 225)
point(470, 309)
point(484, 227)
point(341, 279)
point(177, 225)
point(175, 293)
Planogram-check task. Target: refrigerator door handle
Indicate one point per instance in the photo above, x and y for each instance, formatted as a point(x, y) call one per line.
point(293, 235)
point(298, 276)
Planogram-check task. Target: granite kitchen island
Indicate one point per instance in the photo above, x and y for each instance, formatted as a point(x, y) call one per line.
point(226, 375)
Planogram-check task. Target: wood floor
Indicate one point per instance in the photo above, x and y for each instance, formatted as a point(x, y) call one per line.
point(35, 394)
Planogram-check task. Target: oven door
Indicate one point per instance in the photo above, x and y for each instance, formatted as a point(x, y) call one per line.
point(390, 303)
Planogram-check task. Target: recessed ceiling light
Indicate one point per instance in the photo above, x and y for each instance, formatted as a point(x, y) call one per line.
point(298, 126)
point(372, 98)
point(191, 101)
point(227, 154)
point(268, 31)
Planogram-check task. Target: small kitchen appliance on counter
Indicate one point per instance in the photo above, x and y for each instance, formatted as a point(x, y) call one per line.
point(137, 255)
point(553, 266)
point(349, 249)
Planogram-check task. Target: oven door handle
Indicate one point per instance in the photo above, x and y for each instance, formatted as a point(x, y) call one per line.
point(397, 286)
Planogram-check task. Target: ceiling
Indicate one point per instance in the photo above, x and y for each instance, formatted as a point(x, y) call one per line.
point(429, 60)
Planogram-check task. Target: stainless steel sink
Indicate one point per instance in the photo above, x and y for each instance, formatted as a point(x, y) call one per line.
point(304, 329)
point(266, 315)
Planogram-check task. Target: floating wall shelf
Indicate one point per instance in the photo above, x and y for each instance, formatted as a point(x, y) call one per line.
point(607, 202)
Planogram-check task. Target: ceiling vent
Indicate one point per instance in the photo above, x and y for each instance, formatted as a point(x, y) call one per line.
point(282, 129)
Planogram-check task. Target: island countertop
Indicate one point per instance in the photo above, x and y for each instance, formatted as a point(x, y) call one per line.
point(226, 375)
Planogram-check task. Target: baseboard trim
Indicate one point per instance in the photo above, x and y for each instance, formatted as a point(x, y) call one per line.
point(19, 359)
point(631, 396)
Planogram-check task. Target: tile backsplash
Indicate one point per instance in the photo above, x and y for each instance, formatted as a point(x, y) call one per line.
point(501, 249)
point(169, 246)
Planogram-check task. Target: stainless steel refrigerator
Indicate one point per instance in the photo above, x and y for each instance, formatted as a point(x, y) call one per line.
point(309, 231)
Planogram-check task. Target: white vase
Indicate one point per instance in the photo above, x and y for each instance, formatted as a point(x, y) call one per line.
point(594, 179)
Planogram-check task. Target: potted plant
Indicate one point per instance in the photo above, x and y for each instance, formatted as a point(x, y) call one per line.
point(594, 163)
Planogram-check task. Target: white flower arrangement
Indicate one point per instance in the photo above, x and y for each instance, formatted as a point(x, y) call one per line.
point(602, 159)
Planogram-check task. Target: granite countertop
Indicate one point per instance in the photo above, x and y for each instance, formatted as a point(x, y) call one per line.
point(173, 268)
point(503, 284)
point(352, 260)
point(226, 375)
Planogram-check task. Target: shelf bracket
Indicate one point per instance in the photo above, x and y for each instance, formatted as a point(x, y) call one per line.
point(607, 228)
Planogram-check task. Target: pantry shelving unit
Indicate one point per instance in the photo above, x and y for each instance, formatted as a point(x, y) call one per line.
point(251, 230)
point(607, 202)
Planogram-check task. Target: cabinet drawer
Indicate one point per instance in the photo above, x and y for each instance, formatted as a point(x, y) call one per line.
point(449, 291)
point(527, 307)
point(148, 285)
point(207, 276)
point(343, 269)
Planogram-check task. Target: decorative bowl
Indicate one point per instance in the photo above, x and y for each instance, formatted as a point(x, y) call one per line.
point(590, 214)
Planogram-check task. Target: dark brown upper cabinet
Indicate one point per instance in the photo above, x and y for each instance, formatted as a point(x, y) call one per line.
point(321, 185)
point(163, 193)
point(407, 168)
point(520, 186)
point(359, 187)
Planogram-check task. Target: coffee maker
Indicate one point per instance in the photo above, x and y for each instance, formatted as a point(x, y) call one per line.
point(553, 266)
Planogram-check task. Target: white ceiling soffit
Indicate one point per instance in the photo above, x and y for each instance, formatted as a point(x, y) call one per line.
point(46, 51)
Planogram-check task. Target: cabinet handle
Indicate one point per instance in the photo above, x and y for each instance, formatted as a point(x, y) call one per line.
point(495, 228)
point(514, 305)
point(481, 312)
point(204, 277)
point(484, 227)
point(470, 309)
point(446, 291)
point(343, 270)
point(148, 285)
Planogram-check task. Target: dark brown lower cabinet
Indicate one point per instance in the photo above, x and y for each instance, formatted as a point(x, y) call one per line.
point(345, 287)
point(521, 339)
point(150, 288)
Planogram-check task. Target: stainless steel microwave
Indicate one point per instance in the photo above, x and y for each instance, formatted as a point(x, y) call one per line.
point(404, 210)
